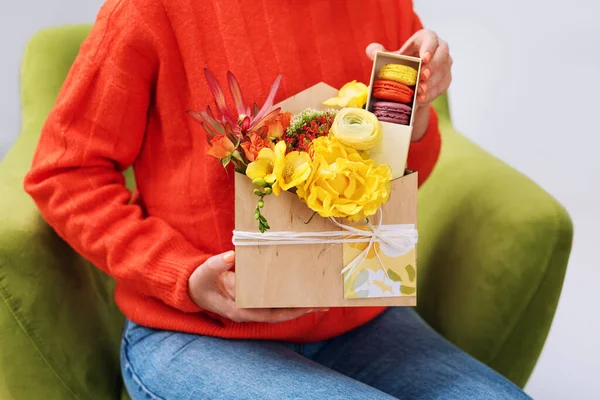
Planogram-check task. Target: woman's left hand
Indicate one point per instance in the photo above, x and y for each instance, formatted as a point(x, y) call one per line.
point(436, 71)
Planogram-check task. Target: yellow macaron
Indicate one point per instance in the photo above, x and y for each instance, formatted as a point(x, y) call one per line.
point(399, 73)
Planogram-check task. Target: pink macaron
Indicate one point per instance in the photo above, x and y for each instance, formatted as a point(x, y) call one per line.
point(395, 113)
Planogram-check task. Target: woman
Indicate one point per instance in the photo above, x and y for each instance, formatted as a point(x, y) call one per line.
point(169, 247)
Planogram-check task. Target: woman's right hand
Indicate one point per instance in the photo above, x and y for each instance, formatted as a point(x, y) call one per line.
point(212, 287)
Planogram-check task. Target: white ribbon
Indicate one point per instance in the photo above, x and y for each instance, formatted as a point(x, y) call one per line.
point(394, 240)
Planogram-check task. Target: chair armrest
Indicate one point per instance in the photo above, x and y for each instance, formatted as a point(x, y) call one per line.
point(493, 252)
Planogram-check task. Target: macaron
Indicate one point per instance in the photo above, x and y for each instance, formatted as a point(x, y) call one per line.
point(399, 73)
point(392, 91)
point(395, 113)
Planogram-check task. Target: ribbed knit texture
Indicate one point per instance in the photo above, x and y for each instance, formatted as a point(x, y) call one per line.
point(124, 103)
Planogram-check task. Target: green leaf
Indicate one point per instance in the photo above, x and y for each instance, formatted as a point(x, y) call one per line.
point(225, 161)
point(236, 154)
point(263, 227)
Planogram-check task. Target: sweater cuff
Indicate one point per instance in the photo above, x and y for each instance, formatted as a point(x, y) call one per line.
point(171, 274)
point(423, 154)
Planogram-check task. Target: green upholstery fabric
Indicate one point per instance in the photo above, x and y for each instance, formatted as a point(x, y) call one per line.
point(59, 327)
point(492, 257)
point(493, 251)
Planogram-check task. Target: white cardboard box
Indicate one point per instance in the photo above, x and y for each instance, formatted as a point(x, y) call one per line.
point(395, 136)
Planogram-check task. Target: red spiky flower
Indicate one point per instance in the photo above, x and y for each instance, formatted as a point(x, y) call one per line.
point(237, 128)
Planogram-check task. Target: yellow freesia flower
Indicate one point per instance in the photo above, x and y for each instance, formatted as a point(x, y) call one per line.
point(352, 94)
point(263, 166)
point(280, 171)
point(357, 128)
point(292, 172)
point(343, 184)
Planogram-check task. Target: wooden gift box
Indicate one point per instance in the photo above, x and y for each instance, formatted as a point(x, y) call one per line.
point(281, 276)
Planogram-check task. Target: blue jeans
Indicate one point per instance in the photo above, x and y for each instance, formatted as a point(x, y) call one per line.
point(397, 355)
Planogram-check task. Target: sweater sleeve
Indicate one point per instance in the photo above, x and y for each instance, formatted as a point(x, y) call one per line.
point(94, 132)
point(423, 154)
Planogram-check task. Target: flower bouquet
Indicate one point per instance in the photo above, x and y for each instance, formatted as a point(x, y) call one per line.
point(319, 221)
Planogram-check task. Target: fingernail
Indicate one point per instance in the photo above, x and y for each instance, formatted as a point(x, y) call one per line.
point(426, 73)
point(423, 87)
point(427, 57)
point(421, 97)
point(229, 257)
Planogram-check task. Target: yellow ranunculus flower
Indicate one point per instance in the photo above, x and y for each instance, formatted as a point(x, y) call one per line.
point(357, 128)
point(352, 94)
point(343, 184)
point(331, 149)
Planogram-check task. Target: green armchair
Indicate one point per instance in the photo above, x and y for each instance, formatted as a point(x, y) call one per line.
point(492, 257)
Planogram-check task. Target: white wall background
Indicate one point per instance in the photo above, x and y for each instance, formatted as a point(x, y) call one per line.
point(19, 20)
point(526, 87)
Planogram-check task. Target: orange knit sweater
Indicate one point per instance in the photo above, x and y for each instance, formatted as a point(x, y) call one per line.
point(124, 104)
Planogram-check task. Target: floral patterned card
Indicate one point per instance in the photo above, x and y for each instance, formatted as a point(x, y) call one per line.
point(396, 277)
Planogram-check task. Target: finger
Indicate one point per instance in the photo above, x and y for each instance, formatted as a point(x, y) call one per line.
point(426, 88)
point(286, 314)
point(219, 263)
point(228, 283)
point(437, 69)
point(428, 46)
point(265, 314)
point(425, 74)
point(374, 48)
point(441, 57)
point(423, 43)
point(409, 48)
point(427, 96)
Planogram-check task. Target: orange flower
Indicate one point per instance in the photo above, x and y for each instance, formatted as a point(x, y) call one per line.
point(255, 145)
point(278, 125)
point(221, 147)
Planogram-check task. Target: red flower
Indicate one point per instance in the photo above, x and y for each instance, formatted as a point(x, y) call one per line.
point(254, 145)
point(315, 128)
point(248, 119)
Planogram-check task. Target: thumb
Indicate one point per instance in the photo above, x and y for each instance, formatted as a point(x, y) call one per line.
point(374, 48)
point(220, 263)
point(422, 44)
